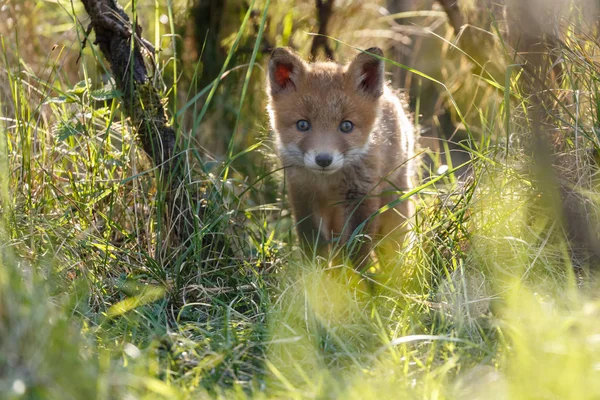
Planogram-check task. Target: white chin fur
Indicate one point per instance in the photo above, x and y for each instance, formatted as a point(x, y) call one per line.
point(322, 171)
point(311, 164)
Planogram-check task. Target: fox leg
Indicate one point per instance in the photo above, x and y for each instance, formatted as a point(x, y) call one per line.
point(310, 236)
point(358, 211)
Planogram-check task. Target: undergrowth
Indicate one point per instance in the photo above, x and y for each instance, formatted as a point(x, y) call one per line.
point(487, 301)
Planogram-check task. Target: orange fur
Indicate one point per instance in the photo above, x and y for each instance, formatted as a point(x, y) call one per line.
point(332, 200)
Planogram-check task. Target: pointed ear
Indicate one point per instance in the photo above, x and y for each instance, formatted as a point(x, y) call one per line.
point(366, 73)
point(285, 70)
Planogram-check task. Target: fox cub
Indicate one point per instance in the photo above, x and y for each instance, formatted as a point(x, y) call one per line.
point(347, 147)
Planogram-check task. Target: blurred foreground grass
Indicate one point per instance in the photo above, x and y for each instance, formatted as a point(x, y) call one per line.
point(487, 302)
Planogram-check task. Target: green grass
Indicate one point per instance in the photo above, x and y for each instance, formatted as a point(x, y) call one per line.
point(487, 302)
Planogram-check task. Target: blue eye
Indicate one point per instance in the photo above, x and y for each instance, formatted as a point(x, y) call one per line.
point(303, 125)
point(346, 126)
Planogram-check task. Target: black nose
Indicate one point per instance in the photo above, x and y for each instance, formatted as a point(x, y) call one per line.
point(323, 160)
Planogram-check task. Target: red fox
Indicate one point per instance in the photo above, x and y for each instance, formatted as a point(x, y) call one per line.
point(345, 140)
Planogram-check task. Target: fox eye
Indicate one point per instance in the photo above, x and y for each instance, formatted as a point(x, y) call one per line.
point(303, 125)
point(346, 126)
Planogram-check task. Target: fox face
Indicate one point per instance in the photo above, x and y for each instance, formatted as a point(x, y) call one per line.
point(324, 114)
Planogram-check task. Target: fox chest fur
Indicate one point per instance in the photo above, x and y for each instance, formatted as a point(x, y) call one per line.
point(347, 147)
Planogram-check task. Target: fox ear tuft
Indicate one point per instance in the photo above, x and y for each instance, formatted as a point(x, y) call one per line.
point(367, 73)
point(285, 70)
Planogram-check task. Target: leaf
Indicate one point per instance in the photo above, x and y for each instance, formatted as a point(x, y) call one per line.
point(105, 94)
point(102, 112)
point(71, 95)
point(80, 87)
point(65, 130)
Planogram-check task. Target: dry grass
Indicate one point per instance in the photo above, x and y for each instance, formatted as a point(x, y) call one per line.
point(487, 303)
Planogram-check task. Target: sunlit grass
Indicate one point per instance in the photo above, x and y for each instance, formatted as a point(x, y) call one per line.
point(486, 302)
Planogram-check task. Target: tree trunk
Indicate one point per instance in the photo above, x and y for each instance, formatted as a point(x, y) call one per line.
point(531, 27)
point(143, 104)
point(324, 11)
